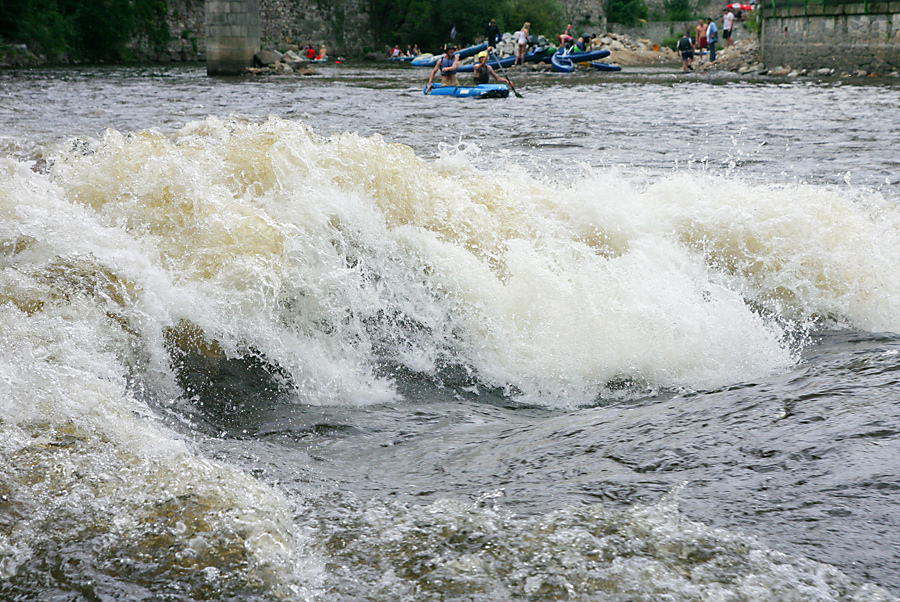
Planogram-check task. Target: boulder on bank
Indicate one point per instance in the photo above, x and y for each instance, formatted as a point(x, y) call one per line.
point(266, 58)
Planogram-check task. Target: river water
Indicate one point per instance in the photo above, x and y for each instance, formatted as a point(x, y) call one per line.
point(629, 337)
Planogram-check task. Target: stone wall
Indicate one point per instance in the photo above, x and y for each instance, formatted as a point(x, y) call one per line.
point(187, 26)
point(232, 35)
point(186, 20)
point(844, 37)
point(584, 15)
point(342, 25)
point(657, 31)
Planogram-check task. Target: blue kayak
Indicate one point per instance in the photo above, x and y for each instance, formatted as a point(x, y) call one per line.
point(471, 50)
point(428, 60)
point(536, 55)
point(424, 60)
point(586, 57)
point(400, 59)
point(479, 91)
point(561, 63)
point(604, 66)
point(494, 62)
point(565, 62)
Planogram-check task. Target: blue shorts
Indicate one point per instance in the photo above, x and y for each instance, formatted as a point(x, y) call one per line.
point(687, 54)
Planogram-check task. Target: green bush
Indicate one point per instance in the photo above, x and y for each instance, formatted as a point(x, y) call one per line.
point(87, 30)
point(678, 10)
point(669, 42)
point(753, 21)
point(428, 23)
point(626, 12)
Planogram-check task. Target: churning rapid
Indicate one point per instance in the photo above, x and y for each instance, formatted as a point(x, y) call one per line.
point(243, 360)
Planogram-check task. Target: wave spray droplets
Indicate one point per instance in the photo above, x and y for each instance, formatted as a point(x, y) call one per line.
point(342, 266)
point(332, 258)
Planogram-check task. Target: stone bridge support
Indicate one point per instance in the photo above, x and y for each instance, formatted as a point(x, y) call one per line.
point(232, 35)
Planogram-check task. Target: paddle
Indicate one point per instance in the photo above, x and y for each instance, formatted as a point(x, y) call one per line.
point(503, 71)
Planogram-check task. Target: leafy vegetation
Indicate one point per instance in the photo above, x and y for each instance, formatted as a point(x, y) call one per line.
point(626, 12)
point(429, 23)
point(670, 42)
point(753, 22)
point(678, 10)
point(88, 30)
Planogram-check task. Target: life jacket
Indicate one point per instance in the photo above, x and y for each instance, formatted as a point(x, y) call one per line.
point(481, 75)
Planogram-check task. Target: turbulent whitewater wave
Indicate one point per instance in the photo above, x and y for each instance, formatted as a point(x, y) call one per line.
point(339, 263)
point(329, 257)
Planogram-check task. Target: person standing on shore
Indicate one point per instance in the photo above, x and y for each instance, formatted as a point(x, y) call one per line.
point(521, 44)
point(492, 34)
point(565, 39)
point(700, 37)
point(686, 47)
point(727, 26)
point(712, 36)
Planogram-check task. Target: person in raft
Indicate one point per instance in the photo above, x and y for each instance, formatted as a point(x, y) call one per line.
point(447, 65)
point(482, 71)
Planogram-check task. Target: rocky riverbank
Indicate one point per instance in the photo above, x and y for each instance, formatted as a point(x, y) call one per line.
point(18, 55)
point(744, 59)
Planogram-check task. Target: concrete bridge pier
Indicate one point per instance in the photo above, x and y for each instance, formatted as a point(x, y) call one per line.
point(232, 35)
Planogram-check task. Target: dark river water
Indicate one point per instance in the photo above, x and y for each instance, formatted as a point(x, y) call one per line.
point(632, 336)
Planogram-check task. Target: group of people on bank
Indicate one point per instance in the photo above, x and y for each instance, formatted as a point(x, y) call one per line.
point(312, 55)
point(706, 35)
point(482, 72)
point(580, 44)
point(410, 51)
point(449, 63)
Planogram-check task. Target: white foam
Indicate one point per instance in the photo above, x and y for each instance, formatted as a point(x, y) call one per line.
point(271, 238)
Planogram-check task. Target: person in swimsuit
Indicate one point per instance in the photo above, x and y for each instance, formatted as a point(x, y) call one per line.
point(482, 71)
point(447, 65)
point(565, 39)
point(700, 37)
point(521, 44)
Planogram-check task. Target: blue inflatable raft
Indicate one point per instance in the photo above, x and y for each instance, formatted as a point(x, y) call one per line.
point(565, 62)
point(428, 60)
point(479, 91)
point(494, 62)
point(604, 66)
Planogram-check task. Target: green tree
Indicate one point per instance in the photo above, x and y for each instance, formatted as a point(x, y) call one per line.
point(626, 12)
point(678, 10)
point(429, 23)
point(91, 30)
